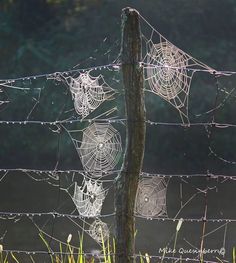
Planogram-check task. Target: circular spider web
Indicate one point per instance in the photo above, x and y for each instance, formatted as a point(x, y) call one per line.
point(166, 72)
point(151, 197)
point(101, 148)
point(99, 231)
point(89, 198)
point(89, 92)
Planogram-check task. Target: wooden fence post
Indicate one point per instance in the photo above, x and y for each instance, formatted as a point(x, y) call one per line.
point(127, 181)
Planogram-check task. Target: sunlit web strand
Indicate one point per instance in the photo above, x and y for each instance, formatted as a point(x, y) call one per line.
point(216, 155)
point(213, 152)
point(4, 100)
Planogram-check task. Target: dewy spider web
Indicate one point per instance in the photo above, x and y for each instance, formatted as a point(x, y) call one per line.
point(151, 197)
point(96, 226)
point(93, 230)
point(88, 92)
point(99, 231)
point(100, 149)
point(169, 78)
point(89, 198)
point(169, 71)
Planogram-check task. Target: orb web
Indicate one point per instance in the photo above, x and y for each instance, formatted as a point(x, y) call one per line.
point(89, 198)
point(167, 74)
point(99, 231)
point(89, 93)
point(100, 149)
point(151, 197)
point(170, 77)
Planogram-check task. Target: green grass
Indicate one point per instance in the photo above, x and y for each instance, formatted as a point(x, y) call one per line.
point(70, 254)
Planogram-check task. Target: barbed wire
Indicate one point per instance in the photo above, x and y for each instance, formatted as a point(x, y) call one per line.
point(58, 123)
point(209, 175)
point(211, 71)
point(193, 124)
point(13, 215)
point(205, 67)
point(100, 256)
point(202, 219)
point(83, 172)
point(116, 66)
point(54, 74)
point(53, 214)
point(121, 121)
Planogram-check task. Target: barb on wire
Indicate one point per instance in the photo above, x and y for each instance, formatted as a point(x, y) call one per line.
point(3, 82)
point(118, 120)
point(101, 256)
point(86, 174)
point(70, 121)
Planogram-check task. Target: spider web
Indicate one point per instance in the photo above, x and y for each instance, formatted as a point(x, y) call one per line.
point(169, 71)
point(100, 148)
point(214, 229)
point(88, 92)
point(99, 231)
point(89, 198)
point(151, 197)
point(156, 187)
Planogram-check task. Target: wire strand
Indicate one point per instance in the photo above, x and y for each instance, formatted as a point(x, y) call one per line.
point(54, 214)
point(121, 121)
point(52, 74)
point(208, 174)
point(101, 256)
